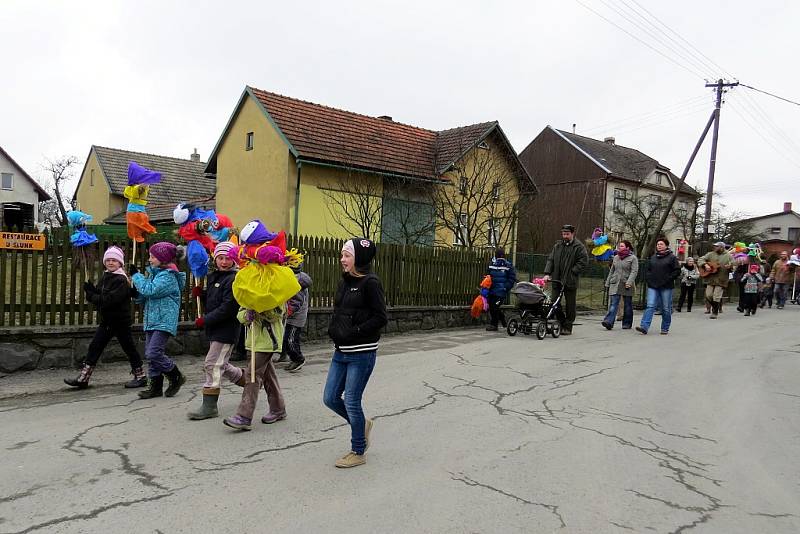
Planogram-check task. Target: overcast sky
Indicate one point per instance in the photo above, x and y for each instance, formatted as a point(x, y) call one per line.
point(163, 76)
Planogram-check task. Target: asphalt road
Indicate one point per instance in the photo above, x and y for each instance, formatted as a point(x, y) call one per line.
point(599, 432)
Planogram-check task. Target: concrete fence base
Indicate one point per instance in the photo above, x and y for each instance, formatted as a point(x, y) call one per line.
point(28, 348)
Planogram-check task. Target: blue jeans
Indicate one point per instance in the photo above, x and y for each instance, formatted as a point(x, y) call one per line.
point(780, 294)
point(661, 298)
point(349, 374)
point(155, 344)
point(627, 313)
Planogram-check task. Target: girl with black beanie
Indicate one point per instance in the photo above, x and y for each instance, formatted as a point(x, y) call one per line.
point(359, 314)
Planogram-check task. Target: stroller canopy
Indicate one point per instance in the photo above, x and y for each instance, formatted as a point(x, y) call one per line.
point(528, 293)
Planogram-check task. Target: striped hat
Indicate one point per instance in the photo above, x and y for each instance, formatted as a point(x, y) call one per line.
point(223, 248)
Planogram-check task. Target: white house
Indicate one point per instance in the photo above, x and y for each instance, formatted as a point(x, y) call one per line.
point(783, 225)
point(19, 195)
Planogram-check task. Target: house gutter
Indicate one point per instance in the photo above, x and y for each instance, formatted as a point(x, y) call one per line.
point(369, 171)
point(297, 198)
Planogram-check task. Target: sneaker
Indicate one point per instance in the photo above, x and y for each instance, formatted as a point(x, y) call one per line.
point(641, 330)
point(626, 327)
point(139, 379)
point(295, 366)
point(714, 316)
point(747, 313)
point(491, 328)
point(678, 310)
point(238, 422)
point(367, 430)
point(351, 459)
point(271, 417)
point(282, 358)
point(664, 332)
point(607, 325)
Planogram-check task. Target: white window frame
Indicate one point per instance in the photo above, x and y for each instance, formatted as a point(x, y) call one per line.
point(774, 229)
point(491, 232)
point(683, 208)
point(621, 198)
point(249, 141)
point(483, 145)
point(2, 178)
point(460, 235)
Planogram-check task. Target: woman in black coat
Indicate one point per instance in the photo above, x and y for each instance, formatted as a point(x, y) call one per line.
point(662, 271)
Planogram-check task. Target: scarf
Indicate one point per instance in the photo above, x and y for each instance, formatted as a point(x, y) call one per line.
point(120, 271)
point(624, 253)
point(666, 252)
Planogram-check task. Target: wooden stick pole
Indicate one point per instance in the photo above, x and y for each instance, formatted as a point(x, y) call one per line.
point(252, 354)
point(133, 260)
point(197, 283)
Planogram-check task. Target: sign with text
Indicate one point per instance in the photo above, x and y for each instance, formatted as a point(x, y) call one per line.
point(17, 241)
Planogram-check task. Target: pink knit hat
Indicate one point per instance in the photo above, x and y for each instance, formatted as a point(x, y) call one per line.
point(223, 248)
point(163, 251)
point(115, 253)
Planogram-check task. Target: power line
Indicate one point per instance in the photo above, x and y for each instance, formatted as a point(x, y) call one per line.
point(751, 103)
point(728, 74)
point(763, 137)
point(770, 94)
point(694, 63)
point(659, 52)
point(684, 113)
point(640, 116)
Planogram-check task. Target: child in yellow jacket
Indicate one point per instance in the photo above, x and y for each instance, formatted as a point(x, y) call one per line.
point(266, 336)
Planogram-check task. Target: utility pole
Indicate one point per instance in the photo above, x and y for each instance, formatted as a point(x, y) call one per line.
point(719, 86)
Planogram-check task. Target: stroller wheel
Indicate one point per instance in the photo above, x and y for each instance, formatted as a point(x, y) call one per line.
point(556, 330)
point(513, 327)
point(541, 330)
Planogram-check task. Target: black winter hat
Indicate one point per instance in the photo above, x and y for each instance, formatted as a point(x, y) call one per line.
point(364, 252)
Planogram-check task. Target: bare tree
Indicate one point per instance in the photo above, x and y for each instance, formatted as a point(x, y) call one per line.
point(480, 203)
point(408, 217)
point(60, 172)
point(355, 202)
point(636, 217)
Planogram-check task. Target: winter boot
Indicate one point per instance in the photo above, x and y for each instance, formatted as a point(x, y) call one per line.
point(747, 313)
point(82, 381)
point(207, 410)
point(139, 379)
point(714, 309)
point(154, 387)
point(176, 380)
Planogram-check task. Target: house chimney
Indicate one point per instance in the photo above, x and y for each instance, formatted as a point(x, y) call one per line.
point(195, 156)
point(609, 140)
point(787, 207)
point(386, 118)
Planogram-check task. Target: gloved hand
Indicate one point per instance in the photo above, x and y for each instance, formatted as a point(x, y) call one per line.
point(199, 322)
point(132, 269)
point(89, 287)
point(249, 316)
point(197, 291)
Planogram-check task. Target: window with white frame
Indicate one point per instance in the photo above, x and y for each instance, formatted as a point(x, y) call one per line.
point(7, 181)
point(491, 233)
point(496, 191)
point(619, 200)
point(775, 230)
point(249, 139)
point(654, 201)
point(683, 208)
point(462, 185)
point(460, 237)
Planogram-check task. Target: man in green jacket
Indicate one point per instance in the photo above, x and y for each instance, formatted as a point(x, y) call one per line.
point(716, 282)
point(565, 264)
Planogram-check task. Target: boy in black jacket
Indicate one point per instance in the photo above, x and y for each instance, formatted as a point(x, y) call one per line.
point(359, 314)
point(222, 330)
point(112, 297)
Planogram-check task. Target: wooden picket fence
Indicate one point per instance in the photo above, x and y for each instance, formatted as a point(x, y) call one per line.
point(43, 288)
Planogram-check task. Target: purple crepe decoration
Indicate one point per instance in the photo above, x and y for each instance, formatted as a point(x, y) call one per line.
point(138, 175)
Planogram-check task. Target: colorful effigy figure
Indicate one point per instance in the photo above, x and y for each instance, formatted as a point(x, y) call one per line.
point(740, 253)
point(81, 240)
point(265, 280)
point(602, 250)
point(195, 223)
point(139, 181)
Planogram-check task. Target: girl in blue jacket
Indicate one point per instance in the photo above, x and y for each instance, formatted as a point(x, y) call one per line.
point(160, 291)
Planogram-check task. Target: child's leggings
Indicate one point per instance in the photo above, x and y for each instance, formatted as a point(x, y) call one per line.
point(216, 366)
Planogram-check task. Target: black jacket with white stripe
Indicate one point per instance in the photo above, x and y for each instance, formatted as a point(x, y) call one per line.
point(359, 314)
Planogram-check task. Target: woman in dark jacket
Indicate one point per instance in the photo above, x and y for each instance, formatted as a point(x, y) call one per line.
point(662, 271)
point(222, 330)
point(112, 298)
point(359, 314)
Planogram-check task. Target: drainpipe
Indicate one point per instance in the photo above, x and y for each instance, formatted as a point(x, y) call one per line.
point(297, 199)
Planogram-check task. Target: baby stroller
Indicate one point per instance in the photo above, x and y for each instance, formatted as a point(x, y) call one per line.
point(537, 311)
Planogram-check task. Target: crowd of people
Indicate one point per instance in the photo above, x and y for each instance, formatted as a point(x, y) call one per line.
point(758, 282)
point(358, 318)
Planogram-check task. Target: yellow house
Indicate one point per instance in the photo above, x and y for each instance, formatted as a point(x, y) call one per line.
point(316, 170)
point(105, 175)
